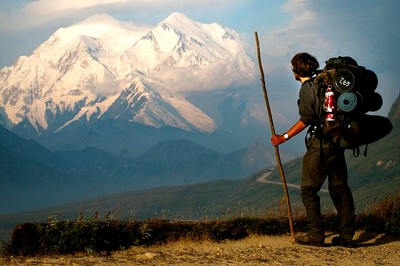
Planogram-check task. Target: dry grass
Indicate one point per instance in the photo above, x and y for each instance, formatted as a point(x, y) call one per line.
point(106, 235)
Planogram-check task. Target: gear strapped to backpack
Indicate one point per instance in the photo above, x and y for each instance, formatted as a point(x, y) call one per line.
point(347, 92)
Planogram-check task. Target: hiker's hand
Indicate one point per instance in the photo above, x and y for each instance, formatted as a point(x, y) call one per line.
point(277, 139)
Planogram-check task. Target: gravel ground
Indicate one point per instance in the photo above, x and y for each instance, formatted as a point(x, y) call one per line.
point(370, 249)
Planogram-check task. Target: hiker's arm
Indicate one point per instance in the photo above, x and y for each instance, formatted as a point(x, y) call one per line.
point(293, 131)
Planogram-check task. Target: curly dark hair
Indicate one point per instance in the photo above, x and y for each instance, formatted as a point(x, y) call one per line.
point(304, 64)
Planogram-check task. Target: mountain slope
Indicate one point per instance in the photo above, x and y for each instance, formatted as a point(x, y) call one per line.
point(371, 178)
point(143, 104)
point(85, 71)
point(394, 113)
point(30, 175)
point(207, 55)
point(31, 150)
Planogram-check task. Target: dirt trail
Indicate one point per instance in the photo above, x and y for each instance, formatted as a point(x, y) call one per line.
point(372, 249)
point(264, 179)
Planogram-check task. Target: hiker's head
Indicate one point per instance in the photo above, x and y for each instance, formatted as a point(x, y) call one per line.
point(304, 65)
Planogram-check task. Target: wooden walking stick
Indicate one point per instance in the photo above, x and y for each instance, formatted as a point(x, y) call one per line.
point(278, 158)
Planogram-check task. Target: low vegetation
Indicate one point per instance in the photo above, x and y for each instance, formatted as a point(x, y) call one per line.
point(106, 235)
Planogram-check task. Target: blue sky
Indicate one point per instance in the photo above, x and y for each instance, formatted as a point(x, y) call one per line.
point(24, 24)
point(367, 30)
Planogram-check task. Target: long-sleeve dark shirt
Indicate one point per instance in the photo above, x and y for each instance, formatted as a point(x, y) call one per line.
point(308, 103)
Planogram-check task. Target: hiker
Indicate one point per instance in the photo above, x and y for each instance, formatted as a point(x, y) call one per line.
point(324, 158)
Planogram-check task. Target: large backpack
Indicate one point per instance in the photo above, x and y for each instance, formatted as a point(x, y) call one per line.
point(354, 88)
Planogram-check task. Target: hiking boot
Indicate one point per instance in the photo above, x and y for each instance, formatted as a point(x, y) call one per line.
point(310, 241)
point(338, 241)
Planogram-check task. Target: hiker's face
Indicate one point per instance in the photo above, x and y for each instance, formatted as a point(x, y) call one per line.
point(296, 76)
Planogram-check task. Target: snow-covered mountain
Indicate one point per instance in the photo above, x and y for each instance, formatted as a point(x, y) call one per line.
point(104, 68)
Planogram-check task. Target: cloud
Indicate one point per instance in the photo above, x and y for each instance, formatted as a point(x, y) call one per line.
point(302, 32)
point(42, 13)
point(369, 33)
point(217, 75)
point(335, 27)
point(46, 7)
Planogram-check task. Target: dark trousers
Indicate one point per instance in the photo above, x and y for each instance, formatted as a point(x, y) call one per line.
point(320, 163)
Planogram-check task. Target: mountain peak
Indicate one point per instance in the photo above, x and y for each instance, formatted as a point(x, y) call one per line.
point(100, 19)
point(81, 69)
point(100, 25)
point(177, 20)
point(177, 16)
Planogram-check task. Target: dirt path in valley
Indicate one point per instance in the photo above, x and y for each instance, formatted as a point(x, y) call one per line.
point(372, 249)
point(264, 179)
